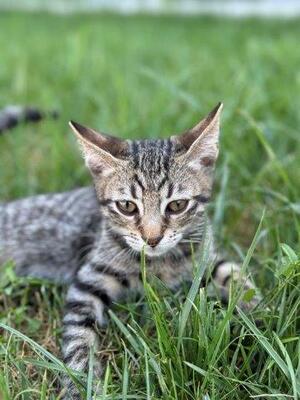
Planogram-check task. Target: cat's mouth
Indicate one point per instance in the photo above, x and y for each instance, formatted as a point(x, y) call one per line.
point(150, 251)
point(155, 251)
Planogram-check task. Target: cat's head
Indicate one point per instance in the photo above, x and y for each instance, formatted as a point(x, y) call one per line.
point(153, 191)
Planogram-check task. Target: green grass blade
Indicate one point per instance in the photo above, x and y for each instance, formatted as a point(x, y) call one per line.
point(38, 348)
point(265, 344)
point(89, 390)
point(295, 380)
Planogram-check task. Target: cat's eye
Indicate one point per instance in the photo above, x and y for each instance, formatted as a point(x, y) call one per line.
point(127, 207)
point(177, 206)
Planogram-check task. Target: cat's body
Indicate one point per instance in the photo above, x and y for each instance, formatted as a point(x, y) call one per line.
point(150, 196)
point(48, 236)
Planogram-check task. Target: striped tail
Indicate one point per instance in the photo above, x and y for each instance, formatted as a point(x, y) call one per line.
point(13, 115)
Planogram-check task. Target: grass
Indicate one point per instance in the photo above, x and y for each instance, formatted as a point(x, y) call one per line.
point(143, 77)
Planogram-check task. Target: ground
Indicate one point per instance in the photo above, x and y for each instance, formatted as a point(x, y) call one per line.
point(148, 77)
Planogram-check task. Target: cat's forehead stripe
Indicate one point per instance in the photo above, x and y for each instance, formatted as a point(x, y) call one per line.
point(133, 191)
point(139, 182)
point(155, 153)
point(152, 160)
point(170, 190)
point(162, 182)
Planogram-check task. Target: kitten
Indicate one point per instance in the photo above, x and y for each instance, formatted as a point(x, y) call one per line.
point(149, 194)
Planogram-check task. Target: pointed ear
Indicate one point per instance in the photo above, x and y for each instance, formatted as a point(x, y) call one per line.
point(102, 153)
point(201, 142)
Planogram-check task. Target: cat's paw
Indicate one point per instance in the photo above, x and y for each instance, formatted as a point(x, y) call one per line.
point(251, 296)
point(249, 305)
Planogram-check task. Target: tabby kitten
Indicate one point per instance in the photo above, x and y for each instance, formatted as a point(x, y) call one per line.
point(149, 194)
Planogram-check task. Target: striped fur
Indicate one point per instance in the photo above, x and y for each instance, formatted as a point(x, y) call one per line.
point(92, 239)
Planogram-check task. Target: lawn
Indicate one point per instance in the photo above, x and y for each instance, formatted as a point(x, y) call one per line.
point(148, 77)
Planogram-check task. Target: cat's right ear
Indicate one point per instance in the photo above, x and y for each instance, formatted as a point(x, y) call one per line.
point(102, 153)
point(201, 142)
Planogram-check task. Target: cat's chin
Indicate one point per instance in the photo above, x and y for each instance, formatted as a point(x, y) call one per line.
point(151, 252)
point(156, 252)
point(161, 250)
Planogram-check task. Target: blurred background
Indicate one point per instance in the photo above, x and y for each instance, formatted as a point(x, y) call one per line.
point(152, 68)
point(266, 8)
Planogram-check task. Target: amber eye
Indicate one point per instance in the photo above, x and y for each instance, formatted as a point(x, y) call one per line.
point(177, 206)
point(127, 207)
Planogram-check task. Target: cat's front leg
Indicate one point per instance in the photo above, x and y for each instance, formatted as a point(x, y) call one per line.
point(94, 288)
point(226, 272)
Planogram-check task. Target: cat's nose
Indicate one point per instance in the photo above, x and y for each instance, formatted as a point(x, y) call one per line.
point(153, 241)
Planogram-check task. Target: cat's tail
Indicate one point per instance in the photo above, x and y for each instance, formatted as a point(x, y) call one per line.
point(13, 115)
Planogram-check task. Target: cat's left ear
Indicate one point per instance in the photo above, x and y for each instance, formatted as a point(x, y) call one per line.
point(102, 153)
point(202, 141)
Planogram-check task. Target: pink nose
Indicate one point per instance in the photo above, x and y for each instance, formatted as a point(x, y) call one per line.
point(152, 242)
